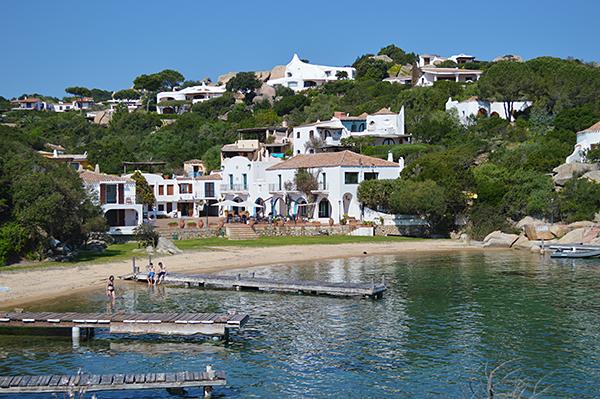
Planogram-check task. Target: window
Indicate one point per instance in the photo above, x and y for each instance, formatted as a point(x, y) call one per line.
point(185, 188)
point(351, 177)
point(388, 142)
point(169, 207)
point(353, 128)
point(161, 190)
point(324, 182)
point(169, 189)
point(297, 135)
point(327, 73)
point(231, 182)
point(293, 84)
point(371, 175)
point(324, 208)
point(311, 134)
point(209, 190)
point(327, 133)
point(280, 183)
point(245, 181)
point(161, 207)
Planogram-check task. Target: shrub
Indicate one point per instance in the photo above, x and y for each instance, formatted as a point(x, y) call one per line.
point(146, 235)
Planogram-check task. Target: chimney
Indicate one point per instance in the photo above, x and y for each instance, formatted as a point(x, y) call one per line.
point(97, 168)
point(390, 156)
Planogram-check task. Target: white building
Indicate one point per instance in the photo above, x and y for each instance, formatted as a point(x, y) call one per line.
point(475, 106)
point(193, 93)
point(385, 126)
point(246, 181)
point(586, 140)
point(300, 75)
point(430, 73)
point(339, 175)
point(117, 198)
point(184, 196)
point(34, 104)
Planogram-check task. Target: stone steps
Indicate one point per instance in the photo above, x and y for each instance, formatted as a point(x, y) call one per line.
point(240, 232)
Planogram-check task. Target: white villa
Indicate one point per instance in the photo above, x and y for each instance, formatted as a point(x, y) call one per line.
point(117, 198)
point(385, 126)
point(300, 75)
point(586, 140)
point(475, 106)
point(339, 174)
point(193, 93)
point(431, 73)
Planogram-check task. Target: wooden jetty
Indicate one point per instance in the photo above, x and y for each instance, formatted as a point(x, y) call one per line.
point(112, 382)
point(239, 282)
point(132, 323)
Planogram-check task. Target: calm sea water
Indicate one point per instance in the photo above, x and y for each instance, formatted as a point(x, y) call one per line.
point(445, 319)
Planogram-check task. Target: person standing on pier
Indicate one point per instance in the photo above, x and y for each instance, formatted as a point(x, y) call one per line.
point(110, 293)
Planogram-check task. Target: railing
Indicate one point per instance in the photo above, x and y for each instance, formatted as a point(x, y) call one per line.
point(323, 187)
point(195, 174)
point(234, 187)
point(276, 187)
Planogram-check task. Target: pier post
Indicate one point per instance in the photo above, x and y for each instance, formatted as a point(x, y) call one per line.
point(237, 279)
point(134, 269)
point(542, 250)
point(383, 279)
point(75, 335)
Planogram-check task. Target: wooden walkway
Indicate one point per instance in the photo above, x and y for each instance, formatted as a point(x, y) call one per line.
point(110, 382)
point(132, 323)
point(238, 282)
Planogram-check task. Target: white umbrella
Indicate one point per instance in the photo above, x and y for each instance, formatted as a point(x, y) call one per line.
point(227, 203)
point(248, 204)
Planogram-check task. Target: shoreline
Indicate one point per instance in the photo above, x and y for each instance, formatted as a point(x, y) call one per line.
point(36, 286)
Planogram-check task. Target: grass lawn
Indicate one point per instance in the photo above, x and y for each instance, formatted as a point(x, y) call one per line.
point(118, 252)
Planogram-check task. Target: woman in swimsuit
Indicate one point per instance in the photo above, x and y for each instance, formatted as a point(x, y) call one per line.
point(110, 288)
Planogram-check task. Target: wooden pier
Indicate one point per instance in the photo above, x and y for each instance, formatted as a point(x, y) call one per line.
point(132, 323)
point(112, 382)
point(239, 282)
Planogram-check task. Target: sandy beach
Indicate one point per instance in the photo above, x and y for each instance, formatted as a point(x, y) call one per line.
point(40, 284)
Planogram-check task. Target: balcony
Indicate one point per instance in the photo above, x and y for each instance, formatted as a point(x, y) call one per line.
point(195, 174)
point(276, 188)
point(323, 188)
point(234, 188)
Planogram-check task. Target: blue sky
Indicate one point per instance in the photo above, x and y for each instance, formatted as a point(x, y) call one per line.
point(48, 46)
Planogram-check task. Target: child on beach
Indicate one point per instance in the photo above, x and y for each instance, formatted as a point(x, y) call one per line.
point(151, 274)
point(162, 273)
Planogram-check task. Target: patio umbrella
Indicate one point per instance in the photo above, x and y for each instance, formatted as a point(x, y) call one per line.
point(249, 204)
point(227, 203)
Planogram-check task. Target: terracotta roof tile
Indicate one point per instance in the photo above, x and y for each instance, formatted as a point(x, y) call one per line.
point(468, 100)
point(192, 161)
point(331, 159)
point(593, 128)
point(384, 111)
point(92, 177)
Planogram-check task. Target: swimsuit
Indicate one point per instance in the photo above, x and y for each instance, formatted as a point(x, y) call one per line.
point(111, 286)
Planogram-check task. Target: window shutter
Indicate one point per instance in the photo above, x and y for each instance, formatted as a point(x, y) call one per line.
point(103, 194)
point(121, 194)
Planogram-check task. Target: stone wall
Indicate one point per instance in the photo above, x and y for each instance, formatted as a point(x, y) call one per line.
point(420, 231)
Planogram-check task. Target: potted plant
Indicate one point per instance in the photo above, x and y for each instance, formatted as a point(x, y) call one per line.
point(172, 225)
point(191, 225)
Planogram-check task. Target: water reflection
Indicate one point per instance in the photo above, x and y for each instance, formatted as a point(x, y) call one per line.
point(444, 316)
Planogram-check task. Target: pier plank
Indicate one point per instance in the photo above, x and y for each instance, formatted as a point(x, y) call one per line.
point(106, 379)
point(140, 378)
point(16, 381)
point(170, 377)
point(94, 379)
point(25, 380)
point(119, 379)
point(129, 378)
point(160, 377)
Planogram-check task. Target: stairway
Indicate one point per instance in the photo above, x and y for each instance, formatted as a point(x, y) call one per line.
point(237, 231)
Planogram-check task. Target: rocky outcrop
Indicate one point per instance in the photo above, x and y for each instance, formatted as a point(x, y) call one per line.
point(581, 224)
point(538, 232)
point(509, 57)
point(498, 239)
point(593, 176)
point(382, 57)
point(223, 79)
point(574, 236)
point(528, 220)
point(568, 171)
point(263, 76)
point(557, 231)
point(278, 72)
point(166, 247)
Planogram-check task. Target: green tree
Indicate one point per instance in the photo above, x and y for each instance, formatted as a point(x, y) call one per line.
point(143, 192)
point(369, 68)
point(341, 75)
point(101, 95)
point(398, 55)
point(358, 143)
point(80, 93)
point(170, 78)
point(306, 181)
point(150, 84)
point(505, 81)
point(246, 83)
point(145, 234)
point(578, 200)
point(128, 94)
point(426, 199)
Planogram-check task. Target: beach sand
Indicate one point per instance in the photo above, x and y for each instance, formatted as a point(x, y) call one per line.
point(37, 285)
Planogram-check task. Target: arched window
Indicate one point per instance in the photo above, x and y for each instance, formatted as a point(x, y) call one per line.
point(388, 142)
point(311, 134)
point(361, 127)
point(297, 135)
point(327, 133)
point(353, 128)
point(324, 208)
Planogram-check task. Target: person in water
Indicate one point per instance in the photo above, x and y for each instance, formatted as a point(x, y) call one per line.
point(151, 273)
point(162, 273)
point(110, 288)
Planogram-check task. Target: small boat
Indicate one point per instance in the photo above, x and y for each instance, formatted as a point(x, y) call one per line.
point(575, 253)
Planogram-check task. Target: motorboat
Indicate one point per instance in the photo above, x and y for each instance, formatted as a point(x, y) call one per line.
point(575, 253)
